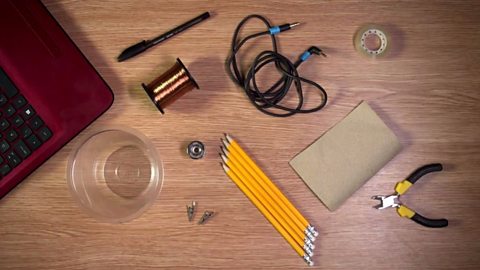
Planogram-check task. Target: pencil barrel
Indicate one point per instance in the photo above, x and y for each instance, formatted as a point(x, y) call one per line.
point(271, 188)
point(270, 201)
point(267, 215)
point(281, 199)
point(265, 199)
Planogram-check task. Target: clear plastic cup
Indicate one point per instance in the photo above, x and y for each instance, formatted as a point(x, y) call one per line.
point(115, 174)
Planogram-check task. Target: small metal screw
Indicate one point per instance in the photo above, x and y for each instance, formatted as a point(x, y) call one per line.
point(206, 215)
point(191, 209)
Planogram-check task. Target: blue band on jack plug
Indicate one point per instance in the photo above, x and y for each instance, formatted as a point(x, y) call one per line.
point(274, 30)
point(305, 55)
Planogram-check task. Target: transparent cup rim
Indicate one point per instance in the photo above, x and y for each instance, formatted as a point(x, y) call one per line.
point(153, 188)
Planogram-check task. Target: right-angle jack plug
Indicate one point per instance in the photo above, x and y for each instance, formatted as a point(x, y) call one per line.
point(310, 51)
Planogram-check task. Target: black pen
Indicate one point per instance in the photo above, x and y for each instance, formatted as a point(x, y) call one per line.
point(145, 44)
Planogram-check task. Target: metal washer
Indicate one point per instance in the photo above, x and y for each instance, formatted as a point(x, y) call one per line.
point(196, 150)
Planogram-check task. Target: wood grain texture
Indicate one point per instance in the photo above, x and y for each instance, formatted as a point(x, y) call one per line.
point(427, 92)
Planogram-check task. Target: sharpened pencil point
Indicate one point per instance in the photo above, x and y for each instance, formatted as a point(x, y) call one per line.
point(225, 151)
point(225, 143)
point(225, 168)
point(224, 158)
point(229, 139)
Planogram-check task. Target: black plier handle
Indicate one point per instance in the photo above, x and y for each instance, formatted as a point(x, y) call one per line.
point(404, 185)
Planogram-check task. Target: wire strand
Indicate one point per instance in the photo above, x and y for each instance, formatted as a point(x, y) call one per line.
point(269, 101)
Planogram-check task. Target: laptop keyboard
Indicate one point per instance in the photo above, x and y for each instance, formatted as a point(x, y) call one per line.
point(22, 130)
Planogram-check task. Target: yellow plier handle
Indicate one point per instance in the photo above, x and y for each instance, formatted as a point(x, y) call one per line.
point(404, 185)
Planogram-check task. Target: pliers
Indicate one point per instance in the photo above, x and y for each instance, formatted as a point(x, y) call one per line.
point(402, 187)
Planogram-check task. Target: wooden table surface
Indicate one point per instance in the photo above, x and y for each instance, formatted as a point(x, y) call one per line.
point(427, 91)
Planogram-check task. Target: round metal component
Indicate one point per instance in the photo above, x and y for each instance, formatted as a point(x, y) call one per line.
point(196, 150)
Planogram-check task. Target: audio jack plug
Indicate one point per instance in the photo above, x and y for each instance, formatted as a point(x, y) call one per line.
point(310, 51)
point(284, 27)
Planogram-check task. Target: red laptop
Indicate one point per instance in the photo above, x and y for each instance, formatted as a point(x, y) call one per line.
point(49, 92)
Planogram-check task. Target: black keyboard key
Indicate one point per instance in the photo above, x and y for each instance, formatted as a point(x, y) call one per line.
point(9, 110)
point(33, 142)
point(27, 112)
point(25, 131)
point(13, 159)
point(36, 122)
point(17, 120)
point(11, 135)
point(44, 134)
point(22, 149)
point(7, 84)
point(4, 169)
point(4, 124)
point(19, 102)
point(4, 146)
point(3, 99)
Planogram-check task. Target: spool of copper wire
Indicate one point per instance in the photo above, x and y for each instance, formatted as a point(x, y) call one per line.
point(170, 86)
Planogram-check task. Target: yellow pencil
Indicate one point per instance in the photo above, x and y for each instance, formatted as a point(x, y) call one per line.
point(261, 186)
point(267, 215)
point(234, 147)
point(268, 190)
point(274, 209)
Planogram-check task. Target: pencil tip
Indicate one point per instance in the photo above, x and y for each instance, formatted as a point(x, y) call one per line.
point(229, 139)
point(225, 168)
point(225, 143)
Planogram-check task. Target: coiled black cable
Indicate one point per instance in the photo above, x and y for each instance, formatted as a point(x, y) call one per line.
point(268, 101)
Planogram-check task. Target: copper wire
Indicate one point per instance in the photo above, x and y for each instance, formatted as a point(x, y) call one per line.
point(170, 86)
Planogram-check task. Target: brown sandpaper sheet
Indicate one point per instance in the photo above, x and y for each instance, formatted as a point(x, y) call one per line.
point(346, 156)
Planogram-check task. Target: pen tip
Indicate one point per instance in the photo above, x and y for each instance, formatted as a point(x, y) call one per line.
point(120, 58)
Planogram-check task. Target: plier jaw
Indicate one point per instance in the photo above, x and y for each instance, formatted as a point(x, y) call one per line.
point(387, 201)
